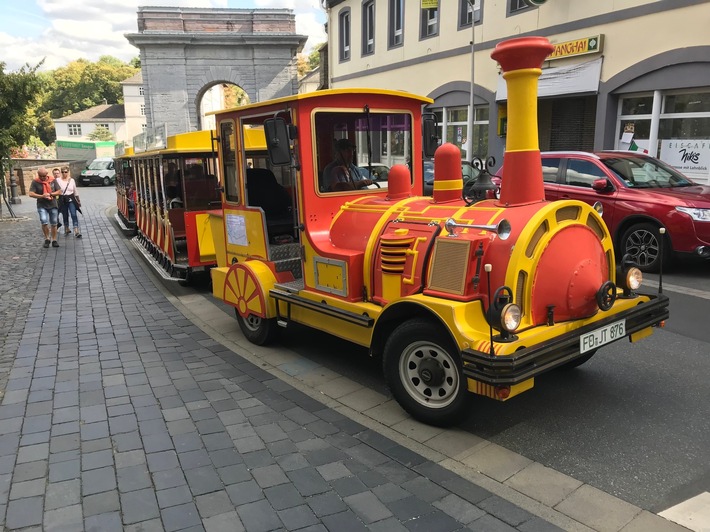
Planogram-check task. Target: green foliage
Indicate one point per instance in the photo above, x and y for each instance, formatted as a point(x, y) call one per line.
point(18, 92)
point(314, 57)
point(82, 84)
point(135, 62)
point(101, 133)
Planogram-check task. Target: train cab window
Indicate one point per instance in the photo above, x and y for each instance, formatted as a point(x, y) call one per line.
point(229, 160)
point(356, 147)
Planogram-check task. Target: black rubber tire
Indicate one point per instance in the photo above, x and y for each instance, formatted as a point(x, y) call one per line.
point(106, 181)
point(641, 242)
point(259, 331)
point(442, 403)
point(578, 361)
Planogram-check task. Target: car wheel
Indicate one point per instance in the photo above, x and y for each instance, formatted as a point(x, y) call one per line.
point(642, 243)
point(106, 181)
point(258, 330)
point(423, 370)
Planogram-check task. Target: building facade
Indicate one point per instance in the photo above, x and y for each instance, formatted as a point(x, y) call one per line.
point(134, 106)
point(624, 74)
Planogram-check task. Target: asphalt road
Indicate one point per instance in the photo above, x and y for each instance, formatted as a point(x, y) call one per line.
point(634, 421)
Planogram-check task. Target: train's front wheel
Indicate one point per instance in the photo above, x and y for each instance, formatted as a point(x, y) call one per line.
point(257, 330)
point(423, 369)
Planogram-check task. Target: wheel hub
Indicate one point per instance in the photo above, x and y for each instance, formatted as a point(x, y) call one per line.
point(431, 373)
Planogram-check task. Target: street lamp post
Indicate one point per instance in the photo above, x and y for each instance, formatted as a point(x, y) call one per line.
point(471, 110)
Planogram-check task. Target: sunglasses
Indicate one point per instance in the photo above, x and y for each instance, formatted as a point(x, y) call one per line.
point(64, 172)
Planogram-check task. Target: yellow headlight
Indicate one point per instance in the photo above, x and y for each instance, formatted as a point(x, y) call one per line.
point(634, 278)
point(510, 317)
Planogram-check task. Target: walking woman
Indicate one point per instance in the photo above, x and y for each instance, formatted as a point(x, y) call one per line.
point(68, 203)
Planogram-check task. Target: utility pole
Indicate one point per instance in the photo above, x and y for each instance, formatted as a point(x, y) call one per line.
point(472, 110)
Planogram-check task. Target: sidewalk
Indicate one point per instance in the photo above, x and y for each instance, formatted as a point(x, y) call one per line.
point(122, 413)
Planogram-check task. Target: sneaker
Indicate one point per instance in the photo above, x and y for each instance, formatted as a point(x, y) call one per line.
point(55, 244)
point(46, 244)
point(67, 232)
point(78, 234)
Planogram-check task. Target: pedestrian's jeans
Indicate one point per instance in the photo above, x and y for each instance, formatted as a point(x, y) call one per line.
point(48, 216)
point(69, 209)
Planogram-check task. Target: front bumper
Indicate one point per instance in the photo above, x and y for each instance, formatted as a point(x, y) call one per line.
point(507, 370)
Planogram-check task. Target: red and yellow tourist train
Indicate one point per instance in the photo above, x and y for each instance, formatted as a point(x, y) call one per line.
point(454, 297)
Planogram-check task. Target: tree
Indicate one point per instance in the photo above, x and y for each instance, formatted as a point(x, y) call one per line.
point(302, 65)
point(101, 133)
point(18, 91)
point(135, 62)
point(81, 84)
point(314, 56)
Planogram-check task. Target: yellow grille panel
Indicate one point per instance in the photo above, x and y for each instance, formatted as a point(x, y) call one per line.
point(595, 226)
point(567, 213)
point(520, 290)
point(393, 254)
point(535, 240)
point(449, 265)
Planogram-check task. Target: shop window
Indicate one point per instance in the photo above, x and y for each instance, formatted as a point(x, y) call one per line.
point(396, 23)
point(344, 27)
point(368, 28)
point(687, 103)
point(429, 22)
point(637, 105)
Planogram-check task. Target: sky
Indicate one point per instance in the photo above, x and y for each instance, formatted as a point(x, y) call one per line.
point(60, 31)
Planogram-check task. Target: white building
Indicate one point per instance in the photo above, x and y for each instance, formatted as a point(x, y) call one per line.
point(640, 66)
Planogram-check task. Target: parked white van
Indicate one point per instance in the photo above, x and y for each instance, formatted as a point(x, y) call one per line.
point(99, 172)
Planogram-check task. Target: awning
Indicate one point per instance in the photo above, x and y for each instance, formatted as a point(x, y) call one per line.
point(575, 79)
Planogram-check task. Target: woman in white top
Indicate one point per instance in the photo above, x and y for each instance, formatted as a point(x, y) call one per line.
point(67, 205)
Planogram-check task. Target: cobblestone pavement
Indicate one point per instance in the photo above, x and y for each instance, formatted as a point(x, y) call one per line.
point(118, 413)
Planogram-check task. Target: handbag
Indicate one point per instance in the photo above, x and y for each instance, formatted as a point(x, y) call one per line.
point(77, 200)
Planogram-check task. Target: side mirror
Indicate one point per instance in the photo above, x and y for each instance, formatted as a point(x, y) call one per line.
point(600, 185)
point(277, 141)
point(430, 130)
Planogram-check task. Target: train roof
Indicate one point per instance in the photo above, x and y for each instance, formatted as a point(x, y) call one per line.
point(324, 94)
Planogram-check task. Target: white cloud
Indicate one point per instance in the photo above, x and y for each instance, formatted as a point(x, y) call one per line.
point(92, 28)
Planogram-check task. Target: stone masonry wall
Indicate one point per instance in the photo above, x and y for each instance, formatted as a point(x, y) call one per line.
point(185, 51)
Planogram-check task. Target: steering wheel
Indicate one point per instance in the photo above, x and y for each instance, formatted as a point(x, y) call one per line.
point(373, 183)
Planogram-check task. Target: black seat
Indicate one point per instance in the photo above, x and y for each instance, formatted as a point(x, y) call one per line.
point(264, 191)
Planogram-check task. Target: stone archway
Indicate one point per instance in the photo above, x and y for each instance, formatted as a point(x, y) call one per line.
point(184, 50)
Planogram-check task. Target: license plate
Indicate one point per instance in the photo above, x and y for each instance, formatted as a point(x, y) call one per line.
point(602, 336)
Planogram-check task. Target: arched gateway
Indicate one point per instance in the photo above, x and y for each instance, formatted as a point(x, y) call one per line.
point(184, 51)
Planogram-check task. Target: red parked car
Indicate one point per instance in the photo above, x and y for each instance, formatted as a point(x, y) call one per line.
point(639, 194)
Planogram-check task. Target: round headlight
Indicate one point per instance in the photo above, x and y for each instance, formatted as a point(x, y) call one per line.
point(510, 317)
point(634, 278)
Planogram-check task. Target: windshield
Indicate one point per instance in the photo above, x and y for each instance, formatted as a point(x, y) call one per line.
point(646, 172)
point(99, 165)
point(353, 146)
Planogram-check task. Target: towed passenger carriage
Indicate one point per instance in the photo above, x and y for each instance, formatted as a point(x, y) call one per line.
point(176, 185)
point(125, 190)
point(454, 297)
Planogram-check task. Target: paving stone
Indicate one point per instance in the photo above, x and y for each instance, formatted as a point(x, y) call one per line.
point(367, 507)
point(283, 497)
point(63, 518)
point(348, 486)
point(326, 504)
point(28, 471)
point(409, 508)
point(174, 496)
point(298, 517)
point(24, 512)
point(269, 476)
point(203, 480)
point(345, 521)
point(245, 492)
point(66, 470)
point(225, 457)
point(169, 479)
point(101, 503)
point(213, 504)
point(29, 488)
point(226, 521)
point(133, 478)
point(258, 516)
point(139, 506)
point(460, 509)
point(98, 480)
point(127, 442)
point(61, 494)
point(425, 489)
point(504, 510)
point(180, 517)
point(192, 459)
point(129, 458)
point(106, 522)
point(97, 459)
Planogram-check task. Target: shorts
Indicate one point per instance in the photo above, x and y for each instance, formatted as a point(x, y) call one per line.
point(50, 216)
